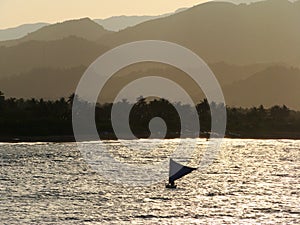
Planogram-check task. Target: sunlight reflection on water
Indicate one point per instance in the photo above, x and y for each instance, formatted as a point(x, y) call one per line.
point(252, 181)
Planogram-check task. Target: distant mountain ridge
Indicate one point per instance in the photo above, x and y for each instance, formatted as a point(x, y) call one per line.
point(68, 52)
point(252, 50)
point(48, 83)
point(276, 85)
point(114, 23)
point(222, 31)
point(117, 23)
point(245, 86)
point(83, 28)
point(20, 31)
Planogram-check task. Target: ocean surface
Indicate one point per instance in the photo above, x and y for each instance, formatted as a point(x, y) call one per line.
point(250, 182)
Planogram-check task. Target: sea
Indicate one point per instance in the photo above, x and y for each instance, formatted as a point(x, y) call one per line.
point(249, 182)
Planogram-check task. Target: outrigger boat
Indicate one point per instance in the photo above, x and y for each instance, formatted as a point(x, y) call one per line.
point(177, 171)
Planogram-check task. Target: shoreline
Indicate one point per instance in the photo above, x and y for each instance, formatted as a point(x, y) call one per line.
point(71, 138)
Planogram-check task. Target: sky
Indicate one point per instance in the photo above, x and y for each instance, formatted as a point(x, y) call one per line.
point(17, 12)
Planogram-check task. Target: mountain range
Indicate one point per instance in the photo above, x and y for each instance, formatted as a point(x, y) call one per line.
point(84, 28)
point(221, 31)
point(253, 50)
point(114, 23)
point(20, 31)
point(117, 23)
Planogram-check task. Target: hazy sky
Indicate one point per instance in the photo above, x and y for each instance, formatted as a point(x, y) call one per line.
point(16, 12)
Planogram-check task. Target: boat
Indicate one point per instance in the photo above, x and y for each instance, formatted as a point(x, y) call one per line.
point(177, 171)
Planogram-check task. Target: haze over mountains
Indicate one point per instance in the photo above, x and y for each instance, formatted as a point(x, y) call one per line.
point(20, 31)
point(115, 23)
point(222, 31)
point(276, 84)
point(83, 28)
point(254, 50)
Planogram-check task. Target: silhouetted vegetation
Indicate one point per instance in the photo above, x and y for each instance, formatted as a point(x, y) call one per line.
point(39, 118)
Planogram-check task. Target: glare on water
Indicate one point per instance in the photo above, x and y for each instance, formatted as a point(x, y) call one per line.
point(250, 182)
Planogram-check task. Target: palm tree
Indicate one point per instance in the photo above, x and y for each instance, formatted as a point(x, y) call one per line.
point(71, 99)
point(2, 98)
point(1, 94)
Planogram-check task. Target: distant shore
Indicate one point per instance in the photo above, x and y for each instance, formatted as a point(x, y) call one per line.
point(71, 138)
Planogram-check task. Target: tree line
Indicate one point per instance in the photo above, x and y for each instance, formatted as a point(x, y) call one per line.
point(39, 117)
